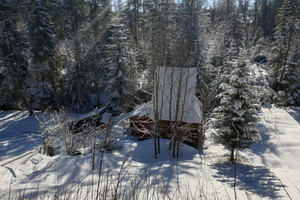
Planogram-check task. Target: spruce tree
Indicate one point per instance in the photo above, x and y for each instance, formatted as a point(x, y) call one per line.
point(43, 68)
point(234, 38)
point(119, 65)
point(235, 119)
point(77, 85)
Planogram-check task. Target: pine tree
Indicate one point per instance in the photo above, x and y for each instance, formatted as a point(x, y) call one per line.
point(235, 119)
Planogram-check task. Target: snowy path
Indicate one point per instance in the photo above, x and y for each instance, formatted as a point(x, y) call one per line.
point(280, 146)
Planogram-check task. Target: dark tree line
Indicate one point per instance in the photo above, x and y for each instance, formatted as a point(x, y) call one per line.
point(85, 54)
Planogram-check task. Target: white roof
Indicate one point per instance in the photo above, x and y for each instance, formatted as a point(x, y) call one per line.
point(176, 96)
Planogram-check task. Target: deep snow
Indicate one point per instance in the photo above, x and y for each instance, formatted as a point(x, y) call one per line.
point(269, 170)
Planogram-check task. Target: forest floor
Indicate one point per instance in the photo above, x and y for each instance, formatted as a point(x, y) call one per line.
point(269, 170)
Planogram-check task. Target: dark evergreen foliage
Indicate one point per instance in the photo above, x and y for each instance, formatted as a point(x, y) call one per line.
point(285, 55)
point(13, 62)
point(41, 87)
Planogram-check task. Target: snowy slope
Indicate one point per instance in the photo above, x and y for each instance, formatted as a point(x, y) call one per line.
point(17, 133)
point(269, 170)
point(280, 146)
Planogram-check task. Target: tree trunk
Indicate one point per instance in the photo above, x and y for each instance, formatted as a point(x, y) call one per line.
point(285, 62)
point(177, 153)
point(155, 107)
point(170, 145)
point(174, 147)
point(155, 147)
point(93, 153)
point(30, 112)
point(155, 139)
point(232, 155)
point(158, 144)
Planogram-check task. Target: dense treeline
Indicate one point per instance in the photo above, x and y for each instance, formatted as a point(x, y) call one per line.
point(85, 54)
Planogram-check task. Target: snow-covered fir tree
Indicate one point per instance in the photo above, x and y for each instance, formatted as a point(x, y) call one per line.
point(119, 66)
point(234, 38)
point(259, 43)
point(229, 33)
point(78, 94)
point(235, 120)
point(43, 70)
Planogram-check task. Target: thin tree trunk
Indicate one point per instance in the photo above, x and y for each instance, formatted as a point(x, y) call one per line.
point(93, 153)
point(155, 138)
point(174, 147)
point(185, 93)
point(285, 61)
point(170, 145)
point(171, 92)
point(201, 137)
point(235, 177)
point(161, 108)
point(155, 107)
point(158, 141)
point(155, 146)
point(177, 147)
point(232, 155)
point(176, 134)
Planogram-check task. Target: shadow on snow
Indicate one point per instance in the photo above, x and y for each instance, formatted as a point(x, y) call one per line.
point(295, 113)
point(255, 179)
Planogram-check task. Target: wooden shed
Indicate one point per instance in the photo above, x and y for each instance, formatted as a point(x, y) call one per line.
point(176, 106)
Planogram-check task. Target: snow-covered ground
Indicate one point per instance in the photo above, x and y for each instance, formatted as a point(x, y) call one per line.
point(18, 133)
point(269, 170)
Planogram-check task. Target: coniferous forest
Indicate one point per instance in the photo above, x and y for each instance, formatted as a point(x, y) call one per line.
point(85, 85)
point(82, 54)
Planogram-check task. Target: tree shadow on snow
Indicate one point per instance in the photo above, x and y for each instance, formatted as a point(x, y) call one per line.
point(140, 169)
point(265, 144)
point(255, 179)
point(18, 133)
point(165, 170)
point(295, 113)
